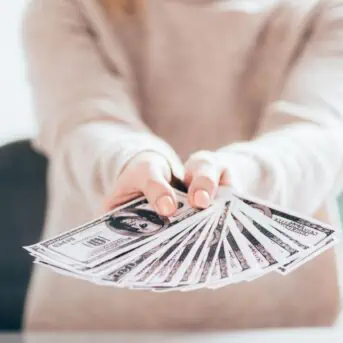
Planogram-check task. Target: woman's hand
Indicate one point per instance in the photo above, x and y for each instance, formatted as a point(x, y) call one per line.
point(205, 171)
point(148, 173)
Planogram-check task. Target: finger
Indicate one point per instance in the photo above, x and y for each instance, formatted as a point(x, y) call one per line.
point(157, 189)
point(160, 196)
point(158, 192)
point(119, 199)
point(196, 161)
point(123, 193)
point(133, 181)
point(204, 185)
point(225, 177)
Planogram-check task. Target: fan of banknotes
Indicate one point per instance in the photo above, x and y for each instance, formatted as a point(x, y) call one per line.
point(236, 239)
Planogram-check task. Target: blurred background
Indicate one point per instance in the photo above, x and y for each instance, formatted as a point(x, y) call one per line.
point(22, 172)
point(16, 114)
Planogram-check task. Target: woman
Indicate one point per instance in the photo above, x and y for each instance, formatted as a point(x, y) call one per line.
point(131, 93)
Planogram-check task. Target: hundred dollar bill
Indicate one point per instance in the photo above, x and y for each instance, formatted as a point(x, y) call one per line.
point(183, 273)
point(119, 231)
point(295, 264)
point(214, 246)
point(167, 265)
point(151, 258)
point(285, 246)
point(306, 231)
point(262, 243)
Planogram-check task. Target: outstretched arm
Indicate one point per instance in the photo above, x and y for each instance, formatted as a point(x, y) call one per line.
point(296, 159)
point(88, 117)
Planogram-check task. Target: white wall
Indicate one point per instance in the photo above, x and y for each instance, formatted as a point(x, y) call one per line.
point(15, 107)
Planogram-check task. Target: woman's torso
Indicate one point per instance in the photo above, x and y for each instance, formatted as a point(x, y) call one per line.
point(204, 72)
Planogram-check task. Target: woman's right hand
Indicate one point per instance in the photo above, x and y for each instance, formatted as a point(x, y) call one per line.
point(147, 173)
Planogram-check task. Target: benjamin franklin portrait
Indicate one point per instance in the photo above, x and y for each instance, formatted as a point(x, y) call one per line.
point(137, 222)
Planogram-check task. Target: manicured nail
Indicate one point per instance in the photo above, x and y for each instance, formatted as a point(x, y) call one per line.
point(165, 205)
point(202, 199)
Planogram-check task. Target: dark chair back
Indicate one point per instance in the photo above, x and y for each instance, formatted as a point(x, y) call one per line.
point(22, 207)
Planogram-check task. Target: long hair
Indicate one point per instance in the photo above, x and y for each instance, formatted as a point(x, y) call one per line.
point(117, 8)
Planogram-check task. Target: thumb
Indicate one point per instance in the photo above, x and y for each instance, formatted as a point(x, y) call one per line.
point(159, 193)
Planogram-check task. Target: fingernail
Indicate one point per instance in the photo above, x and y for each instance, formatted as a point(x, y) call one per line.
point(202, 199)
point(165, 205)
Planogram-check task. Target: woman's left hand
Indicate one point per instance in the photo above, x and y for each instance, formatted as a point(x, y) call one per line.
point(204, 172)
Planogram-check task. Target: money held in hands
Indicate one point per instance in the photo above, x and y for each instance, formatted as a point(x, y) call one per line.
point(236, 239)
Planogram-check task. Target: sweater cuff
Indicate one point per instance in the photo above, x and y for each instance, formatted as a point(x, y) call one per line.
point(245, 171)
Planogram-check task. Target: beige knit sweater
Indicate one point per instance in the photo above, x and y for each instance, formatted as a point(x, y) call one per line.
point(261, 80)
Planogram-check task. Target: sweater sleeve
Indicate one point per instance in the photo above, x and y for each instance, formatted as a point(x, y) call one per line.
point(296, 159)
point(88, 117)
